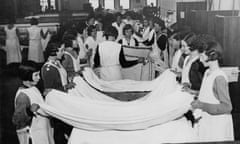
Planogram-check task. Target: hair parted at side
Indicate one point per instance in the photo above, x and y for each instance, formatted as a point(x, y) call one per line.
point(127, 27)
point(68, 40)
point(198, 44)
point(26, 69)
point(52, 49)
point(214, 51)
point(160, 22)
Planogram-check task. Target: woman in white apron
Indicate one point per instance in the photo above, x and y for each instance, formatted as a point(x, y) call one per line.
point(119, 24)
point(214, 101)
point(13, 49)
point(91, 43)
point(31, 122)
point(71, 61)
point(110, 57)
point(35, 34)
point(128, 41)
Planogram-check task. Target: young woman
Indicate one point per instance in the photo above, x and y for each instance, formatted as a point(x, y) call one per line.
point(130, 43)
point(13, 49)
point(193, 70)
point(31, 122)
point(110, 57)
point(81, 37)
point(118, 24)
point(162, 40)
point(178, 49)
point(35, 34)
point(91, 43)
point(148, 32)
point(214, 100)
point(100, 34)
point(128, 39)
point(158, 48)
point(71, 61)
point(55, 77)
point(53, 73)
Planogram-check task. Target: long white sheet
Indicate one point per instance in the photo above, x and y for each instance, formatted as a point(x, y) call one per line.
point(125, 85)
point(87, 111)
point(98, 115)
point(177, 131)
point(166, 83)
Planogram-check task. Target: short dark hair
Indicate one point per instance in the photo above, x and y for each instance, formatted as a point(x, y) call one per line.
point(90, 29)
point(160, 22)
point(118, 14)
point(110, 31)
point(127, 27)
point(214, 51)
point(200, 42)
point(52, 49)
point(81, 27)
point(34, 21)
point(26, 69)
point(68, 40)
point(90, 16)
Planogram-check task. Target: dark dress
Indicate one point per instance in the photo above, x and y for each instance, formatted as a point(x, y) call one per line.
point(52, 80)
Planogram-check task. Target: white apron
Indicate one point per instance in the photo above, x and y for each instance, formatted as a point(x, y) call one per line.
point(158, 64)
point(213, 127)
point(109, 59)
point(35, 50)
point(40, 130)
point(134, 72)
point(176, 58)
point(76, 62)
point(83, 50)
point(12, 46)
point(92, 44)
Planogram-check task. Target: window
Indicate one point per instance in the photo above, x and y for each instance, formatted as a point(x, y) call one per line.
point(125, 4)
point(95, 3)
point(44, 5)
point(109, 4)
point(149, 2)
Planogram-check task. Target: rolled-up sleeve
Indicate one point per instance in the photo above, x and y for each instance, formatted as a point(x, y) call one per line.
point(22, 114)
point(221, 92)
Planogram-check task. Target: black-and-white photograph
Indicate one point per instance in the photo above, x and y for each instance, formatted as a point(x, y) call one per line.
point(119, 71)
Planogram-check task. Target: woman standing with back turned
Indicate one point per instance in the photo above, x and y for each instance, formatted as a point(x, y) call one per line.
point(35, 34)
point(12, 44)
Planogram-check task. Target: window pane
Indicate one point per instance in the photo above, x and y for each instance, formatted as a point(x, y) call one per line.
point(125, 4)
point(151, 1)
point(94, 3)
point(53, 4)
point(109, 4)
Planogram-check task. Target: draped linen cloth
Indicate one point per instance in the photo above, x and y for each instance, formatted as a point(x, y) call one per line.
point(92, 115)
point(83, 88)
point(165, 103)
point(127, 85)
point(99, 119)
point(177, 131)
